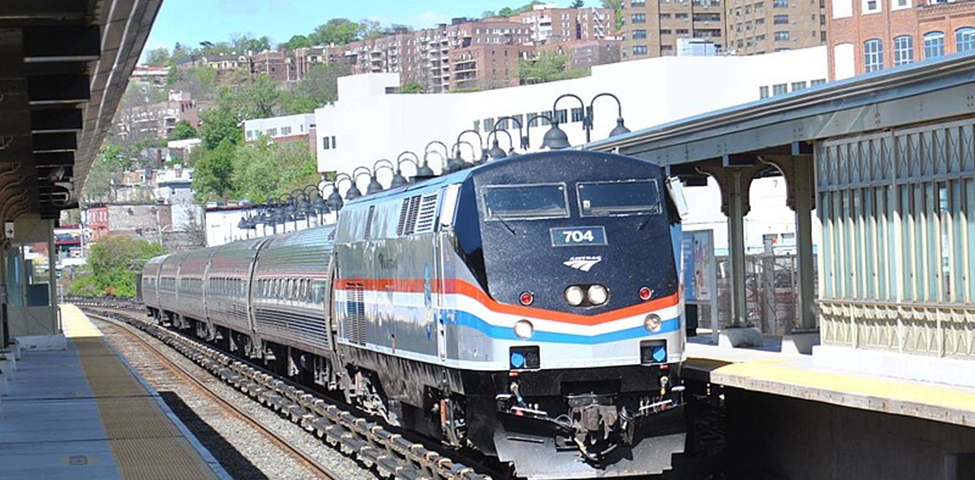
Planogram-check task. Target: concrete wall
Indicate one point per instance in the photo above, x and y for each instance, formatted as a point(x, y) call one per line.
point(782, 438)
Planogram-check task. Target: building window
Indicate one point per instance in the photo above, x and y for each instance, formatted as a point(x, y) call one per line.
point(934, 44)
point(903, 50)
point(665, 16)
point(638, 3)
point(780, 3)
point(680, 16)
point(780, 89)
point(817, 82)
point(964, 39)
point(664, 31)
point(682, 31)
point(488, 124)
point(560, 116)
point(873, 55)
point(781, 36)
point(577, 114)
point(898, 4)
point(871, 6)
point(285, 130)
point(639, 34)
point(638, 18)
point(639, 50)
point(326, 144)
point(763, 91)
point(796, 86)
point(780, 19)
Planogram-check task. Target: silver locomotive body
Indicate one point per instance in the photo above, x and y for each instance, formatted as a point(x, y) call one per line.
point(451, 307)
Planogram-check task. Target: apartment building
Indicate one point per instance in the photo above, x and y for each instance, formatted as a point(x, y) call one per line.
point(755, 27)
point(307, 58)
point(469, 54)
point(278, 65)
point(869, 35)
point(651, 28)
point(157, 120)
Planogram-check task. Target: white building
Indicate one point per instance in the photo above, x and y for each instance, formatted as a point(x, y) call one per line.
point(280, 128)
point(369, 122)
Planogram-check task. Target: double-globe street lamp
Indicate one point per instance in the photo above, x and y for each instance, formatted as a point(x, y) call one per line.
point(555, 138)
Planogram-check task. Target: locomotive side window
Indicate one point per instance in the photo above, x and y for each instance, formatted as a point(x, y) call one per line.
point(525, 202)
point(619, 199)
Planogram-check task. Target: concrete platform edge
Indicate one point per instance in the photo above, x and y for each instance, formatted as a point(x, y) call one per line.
point(922, 368)
point(739, 337)
point(205, 454)
point(42, 342)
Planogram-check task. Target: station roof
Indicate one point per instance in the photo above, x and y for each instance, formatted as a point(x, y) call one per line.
point(64, 65)
point(926, 91)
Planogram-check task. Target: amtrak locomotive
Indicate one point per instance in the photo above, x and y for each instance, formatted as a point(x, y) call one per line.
point(528, 308)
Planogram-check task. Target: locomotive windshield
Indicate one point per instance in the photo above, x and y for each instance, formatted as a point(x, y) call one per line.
point(525, 202)
point(621, 198)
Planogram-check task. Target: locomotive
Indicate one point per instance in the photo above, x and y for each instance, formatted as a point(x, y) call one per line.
point(528, 308)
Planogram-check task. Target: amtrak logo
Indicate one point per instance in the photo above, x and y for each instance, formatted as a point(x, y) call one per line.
point(582, 263)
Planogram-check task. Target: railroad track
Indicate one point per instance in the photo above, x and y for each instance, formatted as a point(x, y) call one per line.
point(304, 457)
point(390, 454)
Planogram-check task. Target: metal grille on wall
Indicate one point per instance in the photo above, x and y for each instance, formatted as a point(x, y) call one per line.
point(898, 216)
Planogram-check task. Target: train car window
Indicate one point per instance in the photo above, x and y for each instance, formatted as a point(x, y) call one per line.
point(525, 202)
point(619, 199)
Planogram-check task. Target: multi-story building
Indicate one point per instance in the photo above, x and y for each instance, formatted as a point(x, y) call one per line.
point(289, 128)
point(586, 53)
point(224, 64)
point(764, 26)
point(157, 120)
point(869, 35)
point(467, 53)
point(651, 28)
point(550, 24)
point(306, 58)
point(278, 65)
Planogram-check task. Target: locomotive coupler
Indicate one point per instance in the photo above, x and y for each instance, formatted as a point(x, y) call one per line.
point(598, 425)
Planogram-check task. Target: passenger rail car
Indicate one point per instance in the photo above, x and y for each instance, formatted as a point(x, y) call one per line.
point(529, 308)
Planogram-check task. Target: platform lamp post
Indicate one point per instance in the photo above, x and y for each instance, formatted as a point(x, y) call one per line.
point(480, 146)
point(398, 179)
point(321, 205)
point(374, 185)
point(443, 157)
point(356, 173)
point(522, 136)
point(496, 152)
point(302, 207)
point(423, 169)
point(457, 163)
point(352, 193)
point(555, 138)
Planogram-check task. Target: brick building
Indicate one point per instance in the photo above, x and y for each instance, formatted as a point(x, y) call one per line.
point(870, 35)
point(766, 26)
point(277, 65)
point(651, 28)
point(157, 120)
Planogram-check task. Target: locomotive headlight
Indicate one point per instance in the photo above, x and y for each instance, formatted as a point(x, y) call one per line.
point(652, 322)
point(524, 329)
point(575, 296)
point(598, 294)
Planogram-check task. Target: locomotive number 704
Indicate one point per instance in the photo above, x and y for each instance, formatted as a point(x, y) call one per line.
point(566, 237)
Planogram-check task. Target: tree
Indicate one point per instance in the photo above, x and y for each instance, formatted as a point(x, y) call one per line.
point(219, 124)
point(158, 57)
point(258, 98)
point(182, 131)
point(506, 12)
point(212, 175)
point(370, 30)
point(412, 87)
point(315, 90)
point(617, 6)
point(547, 67)
point(98, 185)
point(577, 4)
point(338, 31)
point(113, 263)
point(296, 42)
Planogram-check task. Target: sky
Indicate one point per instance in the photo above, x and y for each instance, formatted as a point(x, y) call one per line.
point(193, 21)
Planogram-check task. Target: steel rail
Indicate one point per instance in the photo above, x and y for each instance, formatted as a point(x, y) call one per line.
point(393, 455)
point(303, 456)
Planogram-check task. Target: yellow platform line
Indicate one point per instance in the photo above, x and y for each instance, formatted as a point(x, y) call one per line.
point(894, 396)
point(76, 324)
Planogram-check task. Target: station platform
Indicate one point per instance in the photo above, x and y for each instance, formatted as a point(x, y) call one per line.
point(82, 412)
point(766, 370)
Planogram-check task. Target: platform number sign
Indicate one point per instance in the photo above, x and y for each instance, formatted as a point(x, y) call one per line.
point(577, 236)
point(8, 229)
